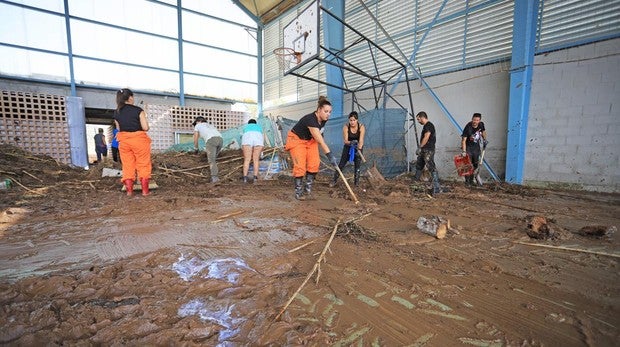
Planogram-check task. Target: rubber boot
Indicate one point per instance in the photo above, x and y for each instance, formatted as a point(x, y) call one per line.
point(255, 179)
point(356, 177)
point(299, 190)
point(332, 184)
point(129, 186)
point(144, 182)
point(436, 186)
point(418, 175)
point(309, 182)
point(469, 180)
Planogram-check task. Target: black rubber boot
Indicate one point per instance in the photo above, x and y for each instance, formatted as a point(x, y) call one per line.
point(309, 182)
point(334, 180)
point(299, 190)
point(436, 186)
point(469, 180)
point(356, 177)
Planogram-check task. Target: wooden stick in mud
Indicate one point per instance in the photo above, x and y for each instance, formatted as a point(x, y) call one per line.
point(183, 172)
point(568, 249)
point(234, 169)
point(222, 217)
point(31, 175)
point(23, 186)
point(347, 185)
point(314, 268)
point(300, 247)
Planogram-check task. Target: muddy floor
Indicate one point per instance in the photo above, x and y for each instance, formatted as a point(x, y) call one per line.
point(236, 264)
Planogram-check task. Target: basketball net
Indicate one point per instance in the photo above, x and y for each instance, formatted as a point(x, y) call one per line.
point(286, 56)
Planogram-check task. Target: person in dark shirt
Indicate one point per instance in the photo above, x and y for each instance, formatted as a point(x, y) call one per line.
point(353, 133)
point(303, 142)
point(473, 135)
point(134, 143)
point(426, 151)
point(101, 147)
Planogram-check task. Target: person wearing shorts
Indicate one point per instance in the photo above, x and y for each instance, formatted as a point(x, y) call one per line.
point(252, 145)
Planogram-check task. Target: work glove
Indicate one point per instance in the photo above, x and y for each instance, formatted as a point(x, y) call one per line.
point(463, 154)
point(418, 151)
point(332, 159)
point(484, 144)
point(353, 144)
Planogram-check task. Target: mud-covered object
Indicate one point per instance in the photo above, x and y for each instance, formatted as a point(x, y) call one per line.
point(598, 230)
point(538, 228)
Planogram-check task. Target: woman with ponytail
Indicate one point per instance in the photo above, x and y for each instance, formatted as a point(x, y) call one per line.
point(303, 142)
point(134, 143)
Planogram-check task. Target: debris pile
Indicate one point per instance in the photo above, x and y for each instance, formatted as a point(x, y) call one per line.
point(352, 232)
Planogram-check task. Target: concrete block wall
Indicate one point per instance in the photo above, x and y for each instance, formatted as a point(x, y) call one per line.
point(573, 136)
point(165, 120)
point(36, 123)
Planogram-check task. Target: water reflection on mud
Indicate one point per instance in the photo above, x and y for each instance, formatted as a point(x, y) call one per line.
point(216, 312)
point(221, 269)
point(209, 309)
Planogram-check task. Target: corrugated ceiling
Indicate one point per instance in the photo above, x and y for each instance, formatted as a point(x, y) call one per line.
point(267, 10)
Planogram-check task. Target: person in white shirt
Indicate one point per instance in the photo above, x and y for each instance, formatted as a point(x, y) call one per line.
point(213, 143)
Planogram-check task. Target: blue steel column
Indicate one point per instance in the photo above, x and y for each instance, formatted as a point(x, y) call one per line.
point(180, 43)
point(70, 49)
point(523, 47)
point(259, 78)
point(333, 35)
point(76, 122)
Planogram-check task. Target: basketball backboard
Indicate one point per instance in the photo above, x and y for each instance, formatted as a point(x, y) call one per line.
point(302, 36)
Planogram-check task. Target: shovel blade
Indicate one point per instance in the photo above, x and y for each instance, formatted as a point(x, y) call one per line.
point(375, 177)
point(478, 179)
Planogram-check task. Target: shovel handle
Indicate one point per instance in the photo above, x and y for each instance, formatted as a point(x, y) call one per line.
point(347, 184)
point(361, 156)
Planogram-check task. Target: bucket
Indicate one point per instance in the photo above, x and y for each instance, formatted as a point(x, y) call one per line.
point(463, 165)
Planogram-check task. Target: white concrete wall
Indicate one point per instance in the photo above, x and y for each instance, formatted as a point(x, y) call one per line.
point(574, 123)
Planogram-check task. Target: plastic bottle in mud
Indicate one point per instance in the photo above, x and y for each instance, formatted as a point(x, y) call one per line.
point(5, 184)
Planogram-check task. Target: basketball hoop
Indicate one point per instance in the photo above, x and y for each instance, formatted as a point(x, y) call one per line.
point(286, 56)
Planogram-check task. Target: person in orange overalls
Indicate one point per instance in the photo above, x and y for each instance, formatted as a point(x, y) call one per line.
point(134, 143)
point(303, 142)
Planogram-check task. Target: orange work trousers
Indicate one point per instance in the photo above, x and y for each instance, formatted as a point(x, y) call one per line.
point(305, 154)
point(135, 151)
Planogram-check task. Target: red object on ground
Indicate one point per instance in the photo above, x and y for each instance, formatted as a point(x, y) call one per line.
point(463, 165)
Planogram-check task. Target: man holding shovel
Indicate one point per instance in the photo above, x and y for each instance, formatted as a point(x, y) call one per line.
point(473, 135)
